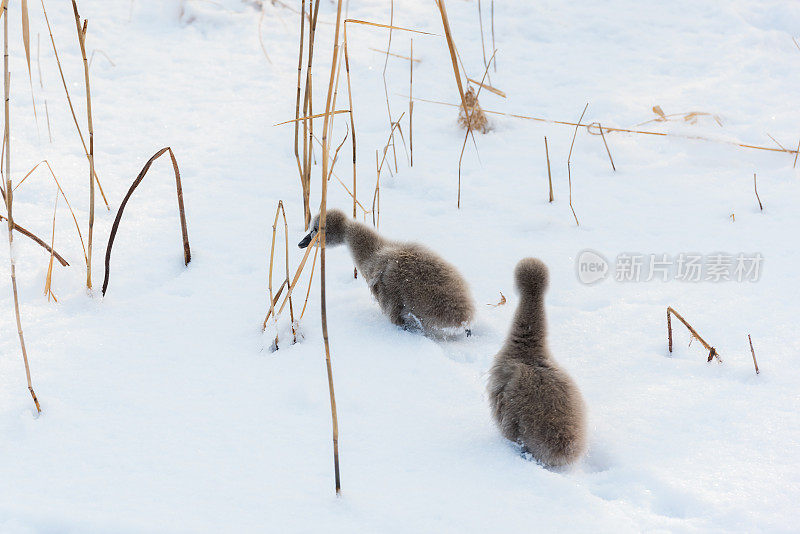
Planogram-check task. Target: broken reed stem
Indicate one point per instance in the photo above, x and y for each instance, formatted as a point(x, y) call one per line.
point(82, 43)
point(322, 229)
point(753, 352)
point(9, 205)
point(39, 241)
point(187, 254)
point(755, 186)
point(712, 352)
point(569, 160)
point(796, 152)
point(549, 176)
point(69, 101)
point(452, 47)
point(410, 105)
point(606, 144)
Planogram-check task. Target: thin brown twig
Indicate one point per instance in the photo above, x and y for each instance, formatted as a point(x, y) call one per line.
point(712, 352)
point(753, 352)
point(600, 126)
point(549, 176)
point(755, 187)
point(569, 167)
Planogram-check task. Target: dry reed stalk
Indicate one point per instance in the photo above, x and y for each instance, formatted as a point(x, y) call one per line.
point(39, 58)
point(41, 83)
point(753, 352)
point(308, 109)
point(385, 85)
point(187, 254)
point(102, 52)
point(63, 194)
point(483, 45)
point(776, 142)
point(400, 56)
point(549, 176)
point(712, 352)
point(9, 205)
point(26, 41)
point(39, 241)
point(322, 228)
point(297, 104)
point(82, 43)
point(293, 284)
point(280, 210)
point(376, 196)
point(600, 126)
point(47, 114)
point(353, 129)
point(493, 45)
point(755, 186)
point(387, 26)
point(488, 87)
point(796, 152)
point(569, 169)
point(318, 115)
point(620, 130)
point(410, 104)
point(469, 124)
point(48, 281)
point(310, 279)
point(452, 47)
point(71, 108)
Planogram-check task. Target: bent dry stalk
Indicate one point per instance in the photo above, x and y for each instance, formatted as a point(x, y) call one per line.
point(187, 254)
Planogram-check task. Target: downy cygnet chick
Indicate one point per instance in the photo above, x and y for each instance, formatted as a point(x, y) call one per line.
point(416, 288)
point(534, 402)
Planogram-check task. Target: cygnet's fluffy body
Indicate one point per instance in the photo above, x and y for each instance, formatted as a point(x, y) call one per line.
point(534, 402)
point(415, 287)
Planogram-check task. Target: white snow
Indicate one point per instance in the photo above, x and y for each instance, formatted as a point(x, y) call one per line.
point(164, 409)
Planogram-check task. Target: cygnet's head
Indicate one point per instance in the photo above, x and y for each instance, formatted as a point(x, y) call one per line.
point(335, 225)
point(531, 276)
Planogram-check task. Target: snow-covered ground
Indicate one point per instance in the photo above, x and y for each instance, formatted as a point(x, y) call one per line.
point(164, 409)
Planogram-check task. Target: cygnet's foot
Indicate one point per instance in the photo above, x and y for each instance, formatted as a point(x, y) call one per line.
point(468, 331)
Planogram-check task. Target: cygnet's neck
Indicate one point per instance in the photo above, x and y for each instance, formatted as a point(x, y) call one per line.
point(528, 336)
point(364, 243)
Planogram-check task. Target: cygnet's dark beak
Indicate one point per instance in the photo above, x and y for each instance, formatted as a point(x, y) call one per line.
point(306, 240)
